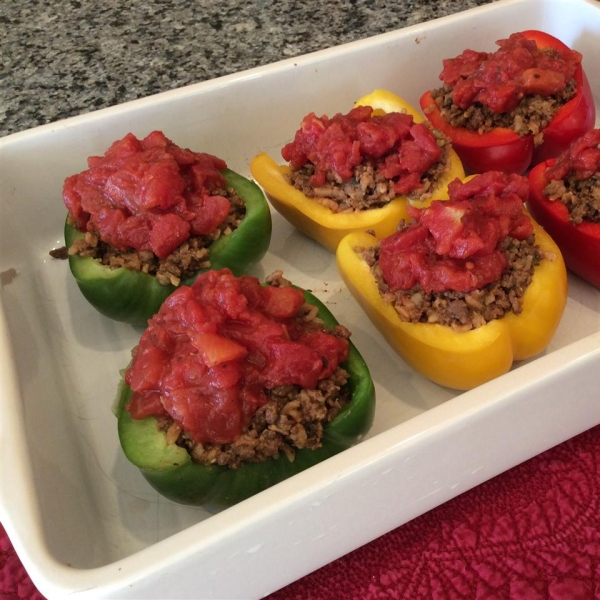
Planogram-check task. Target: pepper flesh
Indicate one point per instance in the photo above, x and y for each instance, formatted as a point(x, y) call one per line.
point(133, 296)
point(320, 223)
point(170, 470)
point(502, 149)
point(462, 360)
point(579, 244)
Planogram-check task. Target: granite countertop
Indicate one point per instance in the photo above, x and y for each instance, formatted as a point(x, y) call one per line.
point(66, 57)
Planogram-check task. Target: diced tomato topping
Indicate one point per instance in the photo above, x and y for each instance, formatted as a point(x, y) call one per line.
point(499, 80)
point(454, 244)
point(582, 158)
point(210, 212)
point(107, 222)
point(216, 349)
point(142, 406)
point(149, 195)
point(150, 359)
point(118, 150)
point(207, 414)
point(445, 224)
point(281, 303)
point(331, 352)
point(168, 232)
point(226, 375)
point(213, 348)
point(401, 149)
point(289, 360)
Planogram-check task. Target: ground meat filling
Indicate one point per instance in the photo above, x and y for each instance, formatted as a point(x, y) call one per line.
point(187, 259)
point(292, 419)
point(463, 311)
point(532, 115)
point(60, 253)
point(580, 196)
point(368, 188)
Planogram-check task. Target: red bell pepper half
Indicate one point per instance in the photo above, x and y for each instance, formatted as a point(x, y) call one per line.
point(502, 149)
point(579, 243)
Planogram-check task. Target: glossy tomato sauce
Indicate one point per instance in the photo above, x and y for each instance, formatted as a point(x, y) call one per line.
point(149, 195)
point(401, 149)
point(208, 355)
point(455, 245)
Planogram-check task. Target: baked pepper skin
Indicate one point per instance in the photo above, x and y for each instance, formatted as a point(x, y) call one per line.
point(579, 244)
point(317, 221)
point(133, 296)
point(170, 470)
point(502, 149)
point(468, 359)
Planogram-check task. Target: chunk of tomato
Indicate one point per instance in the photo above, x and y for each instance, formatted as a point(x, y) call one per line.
point(216, 349)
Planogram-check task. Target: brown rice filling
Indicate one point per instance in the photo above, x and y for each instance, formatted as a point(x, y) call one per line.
point(532, 115)
point(580, 196)
point(192, 255)
point(463, 311)
point(368, 188)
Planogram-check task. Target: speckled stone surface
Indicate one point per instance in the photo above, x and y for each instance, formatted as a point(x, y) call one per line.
point(66, 57)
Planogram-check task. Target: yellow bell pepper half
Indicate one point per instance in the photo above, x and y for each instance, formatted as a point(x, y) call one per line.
point(463, 360)
point(319, 222)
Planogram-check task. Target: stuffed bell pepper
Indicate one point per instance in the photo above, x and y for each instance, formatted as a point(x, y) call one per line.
point(466, 287)
point(358, 171)
point(149, 215)
point(515, 107)
point(565, 201)
point(235, 386)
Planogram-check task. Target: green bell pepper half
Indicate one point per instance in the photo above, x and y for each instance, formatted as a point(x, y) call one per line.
point(133, 296)
point(170, 470)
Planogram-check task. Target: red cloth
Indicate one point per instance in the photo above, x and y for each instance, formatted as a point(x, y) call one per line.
point(532, 533)
point(14, 581)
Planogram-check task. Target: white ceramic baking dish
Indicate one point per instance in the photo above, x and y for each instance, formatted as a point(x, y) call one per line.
point(83, 520)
